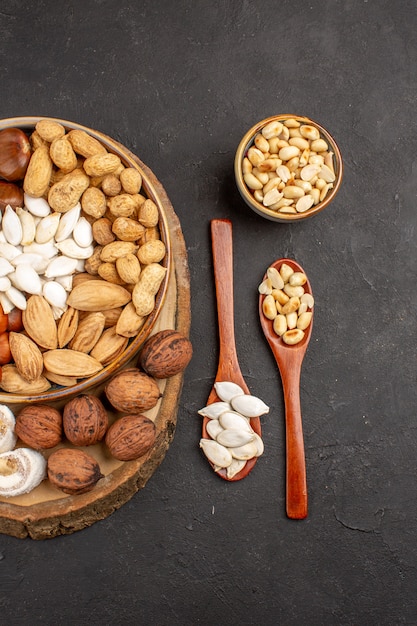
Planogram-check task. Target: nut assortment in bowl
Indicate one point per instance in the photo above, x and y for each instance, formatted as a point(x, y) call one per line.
point(85, 261)
point(288, 168)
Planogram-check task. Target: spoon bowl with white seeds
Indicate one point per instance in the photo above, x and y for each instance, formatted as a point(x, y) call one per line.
point(231, 431)
point(286, 314)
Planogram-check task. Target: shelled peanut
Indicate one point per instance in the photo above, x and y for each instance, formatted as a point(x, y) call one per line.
point(82, 258)
point(286, 303)
point(289, 168)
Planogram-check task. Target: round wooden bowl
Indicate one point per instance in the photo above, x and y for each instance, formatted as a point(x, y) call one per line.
point(279, 216)
point(56, 395)
point(46, 512)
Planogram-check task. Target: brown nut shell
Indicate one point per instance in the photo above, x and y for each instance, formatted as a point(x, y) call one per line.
point(85, 420)
point(73, 471)
point(130, 437)
point(132, 391)
point(165, 354)
point(39, 426)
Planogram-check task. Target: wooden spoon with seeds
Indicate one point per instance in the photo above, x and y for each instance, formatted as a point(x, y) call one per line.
point(228, 366)
point(289, 359)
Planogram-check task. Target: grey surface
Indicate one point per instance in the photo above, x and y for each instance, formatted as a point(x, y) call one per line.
point(179, 83)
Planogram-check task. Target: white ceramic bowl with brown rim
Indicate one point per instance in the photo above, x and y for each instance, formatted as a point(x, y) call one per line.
point(57, 395)
point(256, 198)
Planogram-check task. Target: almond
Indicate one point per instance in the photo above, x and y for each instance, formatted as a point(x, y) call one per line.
point(68, 362)
point(88, 332)
point(38, 321)
point(13, 382)
point(67, 326)
point(109, 346)
point(26, 355)
point(98, 295)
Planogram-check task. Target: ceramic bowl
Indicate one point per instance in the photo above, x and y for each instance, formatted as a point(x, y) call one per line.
point(293, 123)
point(57, 395)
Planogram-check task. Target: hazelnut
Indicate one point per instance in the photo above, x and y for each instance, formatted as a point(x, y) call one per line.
point(73, 471)
point(130, 437)
point(85, 420)
point(131, 391)
point(165, 354)
point(39, 426)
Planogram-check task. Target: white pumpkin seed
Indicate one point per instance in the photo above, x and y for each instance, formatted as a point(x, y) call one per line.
point(213, 428)
point(71, 249)
point(28, 226)
point(37, 206)
point(37, 261)
point(27, 279)
point(12, 226)
point(216, 453)
point(5, 267)
point(249, 405)
point(47, 250)
point(83, 233)
point(260, 445)
point(65, 281)
point(55, 294)
point(6, 304)
point(8, 251)
point(232, 419)
point(227, 390)
point(60, 266)
point(67, 223)
point(234, 437)
point(47, 227)
point(212, 411)
point(234, 468)
point(16, 297)
point(245, 452)
point(5, 283)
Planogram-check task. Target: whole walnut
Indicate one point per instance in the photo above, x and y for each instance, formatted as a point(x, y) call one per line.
point(85, 420)
point(165, 354)
point(73, 471)
point(39, 426)
point(132, 391)
point(130, 437)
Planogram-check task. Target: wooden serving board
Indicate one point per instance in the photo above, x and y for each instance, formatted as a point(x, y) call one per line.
point(46, 512)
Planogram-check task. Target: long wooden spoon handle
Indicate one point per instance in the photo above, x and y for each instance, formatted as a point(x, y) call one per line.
point(222, 247)
point(296, 489)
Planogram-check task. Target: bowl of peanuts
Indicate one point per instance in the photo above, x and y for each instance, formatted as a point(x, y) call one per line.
point(85, 259)
point(288, 168)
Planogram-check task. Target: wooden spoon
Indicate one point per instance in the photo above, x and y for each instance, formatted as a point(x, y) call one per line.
point(289, 359)
point(228, 366)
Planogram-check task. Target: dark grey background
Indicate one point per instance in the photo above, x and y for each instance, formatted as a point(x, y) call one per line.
point(179, 83)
